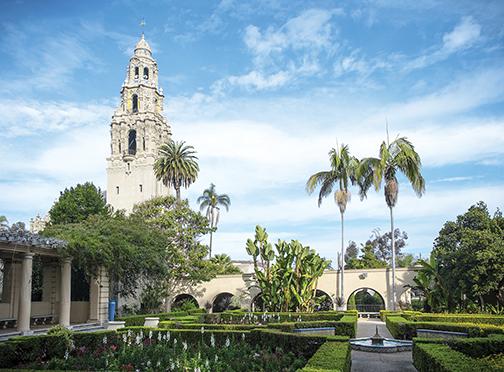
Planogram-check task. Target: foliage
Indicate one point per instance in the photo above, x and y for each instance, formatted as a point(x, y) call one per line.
point(138, 320)
point(429, 282)
point(224, 265)
point(288, 277)
point(211, 201)
point(402, 328)
point(330, 357)
point(376, 252)
point(151, 298)
point(77, 203)
point(185, 305)
point(184, 263)
point(4, 223)
point(470, 255)
point(439, 357)
point(130, 251)
point(176, 165)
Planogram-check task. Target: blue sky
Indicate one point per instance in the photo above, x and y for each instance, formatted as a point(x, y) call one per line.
point(263, 90)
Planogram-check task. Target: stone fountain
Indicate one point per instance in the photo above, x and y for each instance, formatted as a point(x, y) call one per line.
point(379, 344)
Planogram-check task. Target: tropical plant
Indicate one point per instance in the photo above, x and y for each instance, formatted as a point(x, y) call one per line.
point(224, 265)
point(211, 201)
point(341, 175)
point(429, 282)
point(288, 277)
point(395, 157)
point(177, 165)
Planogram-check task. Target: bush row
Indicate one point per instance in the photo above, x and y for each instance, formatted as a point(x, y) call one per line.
point(402, 328)
point(330, 357)
point(171, 324)
point(138, 320)
point(440, 357)
point(240, 316)
point(346, 326)
point(457, 318)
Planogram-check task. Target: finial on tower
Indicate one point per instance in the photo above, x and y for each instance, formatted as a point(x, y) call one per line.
point(142, 25)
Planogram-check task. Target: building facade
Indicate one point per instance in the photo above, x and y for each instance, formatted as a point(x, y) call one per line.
point(137, 130)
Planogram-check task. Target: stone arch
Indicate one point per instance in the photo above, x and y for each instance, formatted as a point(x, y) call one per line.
point(327, 303)
point(182, 298)
point(366, 299)
point(223, 301)
point(146, 73)
point(137, 72)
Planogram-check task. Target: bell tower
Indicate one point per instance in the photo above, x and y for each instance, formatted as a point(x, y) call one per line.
point(137, 130)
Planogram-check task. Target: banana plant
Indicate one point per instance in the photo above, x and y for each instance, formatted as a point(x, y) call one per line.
point(287, 275)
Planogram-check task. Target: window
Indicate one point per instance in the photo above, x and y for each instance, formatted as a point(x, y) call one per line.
point(137, 72)
point(143, 140)
point(141, 188)
point(132, 142)
point(135, 103)
point(146, 73)
point(120, 150)
point(117, 189)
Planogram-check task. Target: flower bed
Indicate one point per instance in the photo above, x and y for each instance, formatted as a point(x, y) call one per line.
point(148, 349)
point(459, 355)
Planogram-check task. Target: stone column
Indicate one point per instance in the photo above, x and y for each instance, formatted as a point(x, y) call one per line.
point(65, 288)
point(25, 289)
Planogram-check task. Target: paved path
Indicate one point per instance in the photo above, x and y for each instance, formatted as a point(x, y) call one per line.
point(379, 362)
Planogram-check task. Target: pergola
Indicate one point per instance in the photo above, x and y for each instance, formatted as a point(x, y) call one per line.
point(17, 250)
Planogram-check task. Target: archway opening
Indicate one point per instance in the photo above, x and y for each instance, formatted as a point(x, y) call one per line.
point(224, 301)
point(184, 302)
point(366, 300)
point(324, 301)
point(257, 303)
point(135, 103)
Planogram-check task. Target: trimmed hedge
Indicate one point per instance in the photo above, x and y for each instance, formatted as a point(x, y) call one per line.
point(170, 324)
point(344, 327)
point(458, 318)
point(271, 317)
point(138, 320)
point(438, 357)
point(402, 328)
point(479, 347)
point(330, 357)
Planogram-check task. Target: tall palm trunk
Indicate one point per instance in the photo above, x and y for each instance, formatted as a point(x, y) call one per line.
point(210, 250)
point(177, 192)
point(342, 258)
point(393, 259)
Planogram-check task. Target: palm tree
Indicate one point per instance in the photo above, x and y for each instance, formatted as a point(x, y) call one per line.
point(177, 165)
point(398, 156)
point(341, 175)
point(210, 201)
point(224, 264)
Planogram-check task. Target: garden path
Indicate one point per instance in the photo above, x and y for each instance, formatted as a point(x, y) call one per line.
point(379, 362)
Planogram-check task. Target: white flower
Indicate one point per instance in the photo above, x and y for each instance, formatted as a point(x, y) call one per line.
point(129, 332)
point(148, 363)
point(216, 358)
point(243, 336)
point(228, 342)
point(159, 336)
point(158, 363)
point(137, 339)
point(141, 334)
point(212, 340)
point(150, 335)
point(207, 363)
point(104, 340)
point(172, 366)
point(124, 337)
point(197, 369)
point(66, 354)
point(174, 342)
point(202, 330)
point(168, 336)
point(184, 345)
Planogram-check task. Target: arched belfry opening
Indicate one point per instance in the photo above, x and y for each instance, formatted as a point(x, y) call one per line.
point(137, 72)
point(135, 103)
point(146, 73)
point(132, 145)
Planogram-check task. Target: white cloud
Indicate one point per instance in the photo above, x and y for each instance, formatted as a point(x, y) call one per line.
point(33, 117)
point(463, 36)
point(259, 81)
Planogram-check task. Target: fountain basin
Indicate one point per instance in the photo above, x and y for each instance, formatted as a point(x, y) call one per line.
point(389, 345)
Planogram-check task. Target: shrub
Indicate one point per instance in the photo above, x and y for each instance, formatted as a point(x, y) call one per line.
point(459, 318)
point(430, 357)
point(330, 357)
point(175, 325)
point(479, 347)
point(344, 327)
point(138, 320)
point(402, 328)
